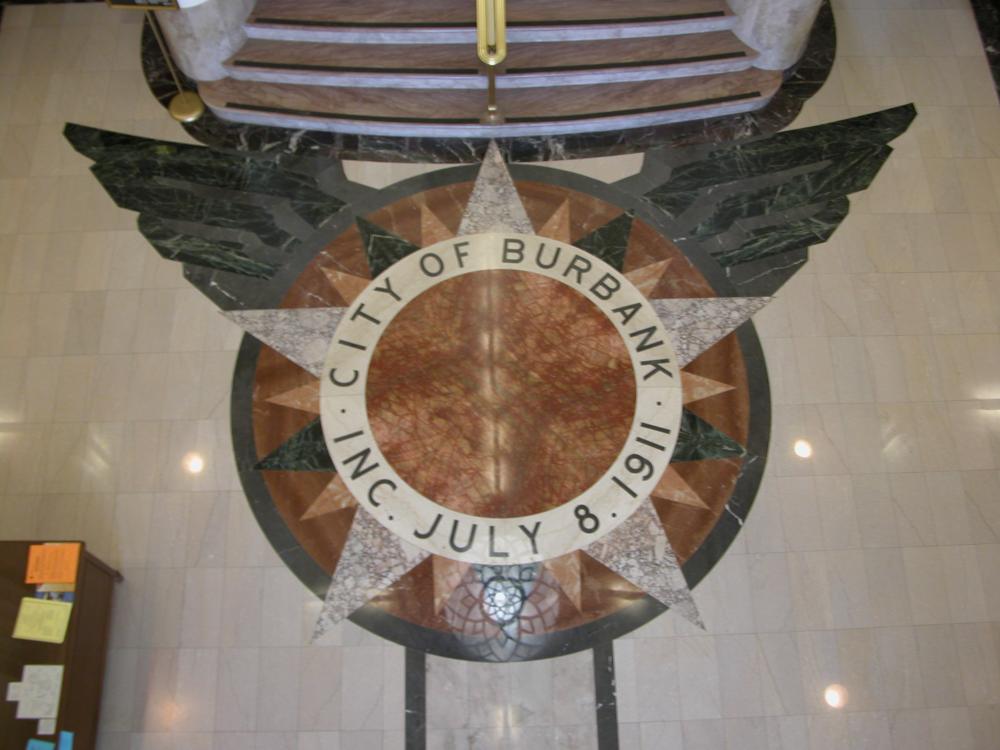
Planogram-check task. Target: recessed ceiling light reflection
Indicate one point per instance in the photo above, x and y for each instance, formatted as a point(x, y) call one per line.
point(171, 713)
point(803, 448)
point(193, 463)
point(989, 404)
point(835, 696)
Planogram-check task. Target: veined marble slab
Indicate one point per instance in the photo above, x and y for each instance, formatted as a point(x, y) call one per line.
point(443, 35)
point(470, 82)
point(302, 335)
point(372, 560)
point(555, 128)
point(696, 324)
point(495, 204)
point(639, 551)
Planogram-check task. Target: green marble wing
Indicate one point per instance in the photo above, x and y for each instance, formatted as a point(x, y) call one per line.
point(757, 204)
point(224, 215)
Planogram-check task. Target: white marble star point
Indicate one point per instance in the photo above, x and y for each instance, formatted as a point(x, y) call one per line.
point(696, 324)
point(639, 551)
point(494, 205)
point(302, 335)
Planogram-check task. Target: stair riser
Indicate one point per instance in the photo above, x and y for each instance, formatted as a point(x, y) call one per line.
point(592, 125)
point(467, 35)
point(478, 82)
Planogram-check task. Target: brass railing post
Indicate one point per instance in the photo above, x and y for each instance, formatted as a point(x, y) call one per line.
point(491, 47)
point(185, 106)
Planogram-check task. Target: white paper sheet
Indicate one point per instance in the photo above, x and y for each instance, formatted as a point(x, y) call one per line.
point(37, 694)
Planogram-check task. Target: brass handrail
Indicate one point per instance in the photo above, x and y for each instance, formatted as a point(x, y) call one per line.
point(491, 31)
point(491, 47)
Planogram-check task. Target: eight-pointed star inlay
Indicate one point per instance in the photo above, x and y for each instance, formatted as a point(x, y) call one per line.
point(374, 557)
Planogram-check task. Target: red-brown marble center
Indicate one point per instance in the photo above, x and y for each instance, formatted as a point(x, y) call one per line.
point(500, 393)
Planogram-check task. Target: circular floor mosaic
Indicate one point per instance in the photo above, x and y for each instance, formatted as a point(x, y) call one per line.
point(506, 404)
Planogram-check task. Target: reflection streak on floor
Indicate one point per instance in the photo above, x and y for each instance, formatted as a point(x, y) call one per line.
point(871, 564)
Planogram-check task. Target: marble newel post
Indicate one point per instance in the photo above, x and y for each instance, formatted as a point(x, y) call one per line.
point(204, 33)
point(777, 29)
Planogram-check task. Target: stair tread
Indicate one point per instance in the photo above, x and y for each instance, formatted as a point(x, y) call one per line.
point(458, 59)
point(462, 12)
point(518, 105)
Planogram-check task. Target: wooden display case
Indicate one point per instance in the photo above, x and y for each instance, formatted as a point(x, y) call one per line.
point(82, 654)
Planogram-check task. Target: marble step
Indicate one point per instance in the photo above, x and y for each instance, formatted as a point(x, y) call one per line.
point(456, 113)
point(450, 66)
point(454, 21)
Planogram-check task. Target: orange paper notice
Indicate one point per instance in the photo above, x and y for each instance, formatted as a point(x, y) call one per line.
point(53, 563)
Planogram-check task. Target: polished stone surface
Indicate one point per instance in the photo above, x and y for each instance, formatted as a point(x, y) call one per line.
point(777, 29)
point(755, 205)
point(203, 36)
point(302, 454)
point(988, 21)
point(437, 66)
point(581, 69)
point(494, 203)
point(800, 84)
point(301, 451)
point(372, 560)
point(522, 606)
point(471, 417)
point(382, 248)
point(301, 334)
point(447, 113)
point(477, 388)
point(637, 549)
point(867, 564)
point(458, 13)
point(697, 324)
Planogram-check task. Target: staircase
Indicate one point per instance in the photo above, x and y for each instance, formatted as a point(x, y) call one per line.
point(409, 67)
